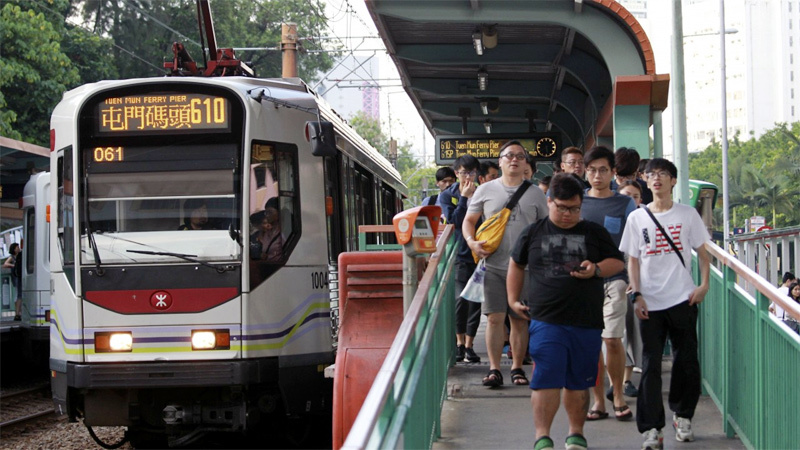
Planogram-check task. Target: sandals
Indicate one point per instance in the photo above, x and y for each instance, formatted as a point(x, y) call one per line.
point(493, 379)
point(596, 415)
point(518, 377)
point(623, 413)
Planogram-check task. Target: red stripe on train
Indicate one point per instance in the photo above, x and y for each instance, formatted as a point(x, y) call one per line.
point(152, 301)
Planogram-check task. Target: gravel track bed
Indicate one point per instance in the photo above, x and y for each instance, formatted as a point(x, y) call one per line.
point(50, 433)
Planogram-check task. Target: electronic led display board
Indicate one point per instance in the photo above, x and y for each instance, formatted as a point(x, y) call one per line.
point(544, 146)
point(159, 112)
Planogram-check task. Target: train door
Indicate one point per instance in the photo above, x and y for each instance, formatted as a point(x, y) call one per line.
point(333, 208)
point(36, 257)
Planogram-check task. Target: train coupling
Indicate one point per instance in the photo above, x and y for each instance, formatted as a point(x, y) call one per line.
point(222, 416)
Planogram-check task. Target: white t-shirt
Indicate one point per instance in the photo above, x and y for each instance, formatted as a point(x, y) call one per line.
point(779, 312)
point(663, 281)
point(491, 197)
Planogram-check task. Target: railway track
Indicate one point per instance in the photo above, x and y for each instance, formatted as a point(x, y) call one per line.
point(25, 405)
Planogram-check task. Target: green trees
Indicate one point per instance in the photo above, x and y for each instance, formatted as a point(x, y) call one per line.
point(764, 175)
point(145, 30)
point(34, 71)
point(52, 46)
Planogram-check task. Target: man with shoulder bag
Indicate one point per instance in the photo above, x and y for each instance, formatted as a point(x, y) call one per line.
point(528, 207)
point(658, 239)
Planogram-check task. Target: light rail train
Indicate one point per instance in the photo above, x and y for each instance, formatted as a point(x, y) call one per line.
point(195, 230)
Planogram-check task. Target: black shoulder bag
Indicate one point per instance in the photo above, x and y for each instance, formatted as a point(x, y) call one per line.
point(664, 233)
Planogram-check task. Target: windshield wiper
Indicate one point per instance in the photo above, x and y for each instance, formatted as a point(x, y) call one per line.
point(89, 233)
point(95, 252)
point(190, 258)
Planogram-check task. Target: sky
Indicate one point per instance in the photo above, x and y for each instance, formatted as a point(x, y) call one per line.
point(350, 21)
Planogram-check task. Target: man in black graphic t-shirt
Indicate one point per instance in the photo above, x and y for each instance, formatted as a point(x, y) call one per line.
point(567, 259)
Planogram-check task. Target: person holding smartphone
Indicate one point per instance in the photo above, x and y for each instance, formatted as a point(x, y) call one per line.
point(567, 259)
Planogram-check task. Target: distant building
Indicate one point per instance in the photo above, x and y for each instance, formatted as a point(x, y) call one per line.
point(351, 86)
point(762, 64)
point(371, 101)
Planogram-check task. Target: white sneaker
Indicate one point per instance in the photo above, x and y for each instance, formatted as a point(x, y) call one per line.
point(683, 428)
point(653, 439)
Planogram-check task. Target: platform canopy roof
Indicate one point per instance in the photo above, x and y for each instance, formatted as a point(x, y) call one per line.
point(18, 161)
point(547, 65)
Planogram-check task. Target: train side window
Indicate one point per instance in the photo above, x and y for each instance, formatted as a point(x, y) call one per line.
point(274, 208)
point(66, 206)
point(30, 240)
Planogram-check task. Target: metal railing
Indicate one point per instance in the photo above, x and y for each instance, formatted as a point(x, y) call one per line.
point(768, 253)
point(749, 359)
point(403, 407)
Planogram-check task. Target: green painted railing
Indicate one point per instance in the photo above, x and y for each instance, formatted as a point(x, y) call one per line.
point(382, 232)
point(750, 361)
point(403, 407)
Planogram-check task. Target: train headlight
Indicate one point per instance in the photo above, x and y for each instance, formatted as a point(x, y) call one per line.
point(211, 339)
point(113, 341)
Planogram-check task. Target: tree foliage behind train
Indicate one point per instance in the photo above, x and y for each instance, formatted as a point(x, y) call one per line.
point(50, 46)
point(764, 175)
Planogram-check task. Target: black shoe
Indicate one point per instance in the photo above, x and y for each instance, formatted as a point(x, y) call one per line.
point(630, 390)
point(610, 394)
point(527, 361)
point(460, 353)
point(17, 318)
point(471, 356)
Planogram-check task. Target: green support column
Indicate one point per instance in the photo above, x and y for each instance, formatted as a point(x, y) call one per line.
point(632, 128)
point(658, 136)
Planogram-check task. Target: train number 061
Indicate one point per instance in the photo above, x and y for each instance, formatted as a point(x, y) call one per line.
point(319, 280)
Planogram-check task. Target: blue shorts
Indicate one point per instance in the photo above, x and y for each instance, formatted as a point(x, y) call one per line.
point(564, 356)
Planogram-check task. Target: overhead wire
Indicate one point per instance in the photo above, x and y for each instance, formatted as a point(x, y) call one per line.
point(145, 14)
point(363, 74)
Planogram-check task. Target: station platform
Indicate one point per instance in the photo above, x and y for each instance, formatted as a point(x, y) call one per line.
point(477, 417)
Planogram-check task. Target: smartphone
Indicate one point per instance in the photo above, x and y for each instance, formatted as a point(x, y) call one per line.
point(578, 268)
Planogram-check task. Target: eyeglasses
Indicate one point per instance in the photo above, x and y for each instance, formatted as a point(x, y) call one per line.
point(464, 173)
point(659, 175)
point(601, 171)
point(517, 156)
point(574, 163)
point(565, 209)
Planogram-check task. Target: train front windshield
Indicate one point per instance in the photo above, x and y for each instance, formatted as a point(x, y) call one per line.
point(160, 191)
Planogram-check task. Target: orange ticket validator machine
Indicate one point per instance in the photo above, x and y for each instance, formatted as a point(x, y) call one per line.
point(416, 230)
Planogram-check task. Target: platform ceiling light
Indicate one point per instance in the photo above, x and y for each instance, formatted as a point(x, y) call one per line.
point(489, 36)
point(487, 125)
point(477, 42)
point(485, 108)
point(483, 79)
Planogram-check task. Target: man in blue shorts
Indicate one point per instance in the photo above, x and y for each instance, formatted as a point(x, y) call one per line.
point(567, 259)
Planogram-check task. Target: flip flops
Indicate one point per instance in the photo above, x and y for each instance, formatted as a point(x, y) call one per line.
point(596, 415)
point(623, 413)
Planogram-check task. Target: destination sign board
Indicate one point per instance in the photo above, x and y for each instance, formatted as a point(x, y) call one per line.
point(156, 112)
point(543, 146)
